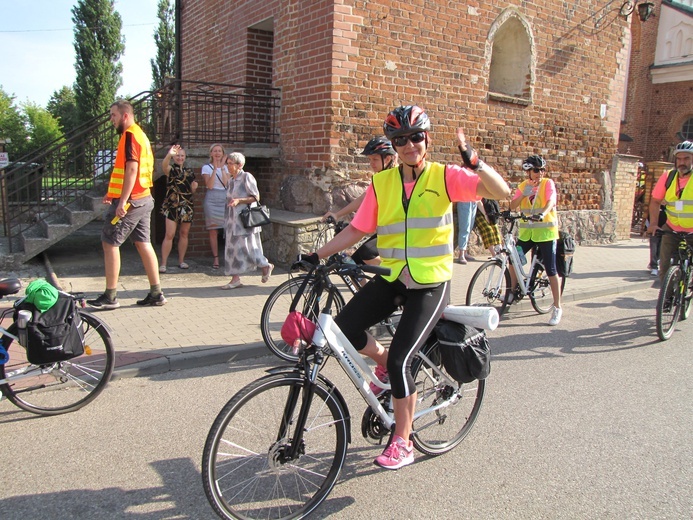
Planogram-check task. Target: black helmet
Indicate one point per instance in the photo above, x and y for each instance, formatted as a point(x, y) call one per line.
point(379, 145)
point(405, 121)
point(684, 147)
point(534, 161)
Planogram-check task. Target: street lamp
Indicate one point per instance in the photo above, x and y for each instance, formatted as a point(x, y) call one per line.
point(645, 9)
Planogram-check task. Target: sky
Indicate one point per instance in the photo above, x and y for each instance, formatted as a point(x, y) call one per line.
point(37, 55)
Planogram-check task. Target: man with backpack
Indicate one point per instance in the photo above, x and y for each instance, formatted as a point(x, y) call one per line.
point(675, 192)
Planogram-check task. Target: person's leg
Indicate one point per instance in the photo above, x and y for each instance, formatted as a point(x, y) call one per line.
point(183, 239)
point(149, 260)
point(667, 249)
point(214, 245)
point(111, 257)
point(167, 244)
point(466, 211)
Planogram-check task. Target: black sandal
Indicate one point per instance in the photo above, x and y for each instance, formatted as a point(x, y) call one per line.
point(215, 264)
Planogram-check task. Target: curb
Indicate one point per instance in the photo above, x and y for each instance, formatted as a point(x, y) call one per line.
point(228, 354)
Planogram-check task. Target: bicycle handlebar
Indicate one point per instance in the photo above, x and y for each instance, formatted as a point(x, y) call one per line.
point(512, 217)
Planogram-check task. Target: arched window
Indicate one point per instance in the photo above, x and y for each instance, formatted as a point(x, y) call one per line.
point(687, 129)
point(510, 72)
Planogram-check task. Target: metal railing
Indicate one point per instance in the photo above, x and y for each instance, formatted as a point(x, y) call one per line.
point(36, 188)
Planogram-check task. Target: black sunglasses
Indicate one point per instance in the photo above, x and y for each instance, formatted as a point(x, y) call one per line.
point(402, 140)
point(537, 170)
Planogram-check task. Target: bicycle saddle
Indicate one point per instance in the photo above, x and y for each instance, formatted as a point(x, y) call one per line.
point(10, 286)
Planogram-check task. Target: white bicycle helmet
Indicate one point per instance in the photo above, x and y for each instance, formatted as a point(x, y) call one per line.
point(684, 147)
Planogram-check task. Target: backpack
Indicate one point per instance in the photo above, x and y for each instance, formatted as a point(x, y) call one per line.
point(53, 335)
point(464, 351)
point(492, 210)
point(565, 248)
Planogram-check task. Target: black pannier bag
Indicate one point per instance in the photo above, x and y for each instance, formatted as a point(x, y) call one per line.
point(565, 248)
point(53, 335)
point(464, 351)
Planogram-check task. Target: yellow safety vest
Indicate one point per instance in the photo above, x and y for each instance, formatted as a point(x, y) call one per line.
point(144, 179)
point(682, 217)
point(543, 231)
point(420, 236)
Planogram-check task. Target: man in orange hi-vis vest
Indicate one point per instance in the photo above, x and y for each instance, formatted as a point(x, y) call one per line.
point(130, 209)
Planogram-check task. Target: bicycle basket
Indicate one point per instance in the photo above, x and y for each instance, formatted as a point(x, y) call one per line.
point(464, 351)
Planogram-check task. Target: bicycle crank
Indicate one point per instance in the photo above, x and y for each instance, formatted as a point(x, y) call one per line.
point(372, 428)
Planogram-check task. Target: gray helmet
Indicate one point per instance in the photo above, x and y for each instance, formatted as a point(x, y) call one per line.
point(684, 147)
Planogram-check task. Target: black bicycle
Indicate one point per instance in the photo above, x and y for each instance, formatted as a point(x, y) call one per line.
point(278, 302)
point(674, 301)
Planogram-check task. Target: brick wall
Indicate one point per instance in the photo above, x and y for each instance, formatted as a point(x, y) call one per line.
point(342, 65)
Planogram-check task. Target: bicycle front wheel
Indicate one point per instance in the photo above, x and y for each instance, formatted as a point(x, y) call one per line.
point(669, 303)
point(66, 386)
point(276, 309)
point(247, 467)
point(541, 296)
point(438, 432)
point(490, 287)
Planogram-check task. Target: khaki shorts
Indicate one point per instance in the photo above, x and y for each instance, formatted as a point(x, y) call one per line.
point(136, 223)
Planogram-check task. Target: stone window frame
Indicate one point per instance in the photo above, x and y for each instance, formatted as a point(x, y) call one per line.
point(528, 87)
point(687, 129)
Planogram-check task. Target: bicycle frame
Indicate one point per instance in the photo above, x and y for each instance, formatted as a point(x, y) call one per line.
point(524, 280)
point(328, 334)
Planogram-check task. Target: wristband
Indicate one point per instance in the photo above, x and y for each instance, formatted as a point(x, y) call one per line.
point(470, 157)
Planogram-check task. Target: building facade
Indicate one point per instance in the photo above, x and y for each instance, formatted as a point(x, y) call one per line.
point(546, 77)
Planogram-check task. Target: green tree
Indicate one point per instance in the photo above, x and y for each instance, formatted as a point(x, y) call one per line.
point(165, 37)
point(98, 48)
point(43, 128)
point(63, 106)
point(13, 126)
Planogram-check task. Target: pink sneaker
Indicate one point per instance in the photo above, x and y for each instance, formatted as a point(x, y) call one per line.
point(399, 453)
point(383, 377)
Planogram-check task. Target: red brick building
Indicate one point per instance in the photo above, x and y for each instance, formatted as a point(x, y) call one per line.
point(545, 77)
point(659, 104)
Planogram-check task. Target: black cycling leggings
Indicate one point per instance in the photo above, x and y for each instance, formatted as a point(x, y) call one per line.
point(422, 309)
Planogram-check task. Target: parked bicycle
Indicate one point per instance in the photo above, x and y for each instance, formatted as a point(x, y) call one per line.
point(59, 387)
point(276, 449)
point(674, 301)
point(277, 305)
point(491, 284)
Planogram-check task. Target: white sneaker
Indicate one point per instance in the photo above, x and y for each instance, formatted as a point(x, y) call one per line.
point(556, 316)
point(655, 272)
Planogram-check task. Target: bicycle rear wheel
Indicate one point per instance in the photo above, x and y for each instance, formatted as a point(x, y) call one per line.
point(541, 296)
point(438, 432)
point(490, 287)
point(246, 470)
point(276, 309)
point(65, 386)
point(669, 303)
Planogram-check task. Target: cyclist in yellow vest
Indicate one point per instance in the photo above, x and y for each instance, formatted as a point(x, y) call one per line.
point(130, 209)
point(678, 199)
point(410, 207)
point(537, 196)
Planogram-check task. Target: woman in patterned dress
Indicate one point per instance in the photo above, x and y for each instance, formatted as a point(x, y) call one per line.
point(178, 204)
point(243, 250)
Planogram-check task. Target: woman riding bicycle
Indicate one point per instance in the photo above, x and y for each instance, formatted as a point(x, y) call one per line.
point(410, 206)
point(537, 197)
point(381, 156)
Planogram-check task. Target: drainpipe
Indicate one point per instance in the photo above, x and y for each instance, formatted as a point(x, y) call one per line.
point(179, 70)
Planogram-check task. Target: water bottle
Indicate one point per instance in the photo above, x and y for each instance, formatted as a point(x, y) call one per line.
point(521, 254)
point(23, 317)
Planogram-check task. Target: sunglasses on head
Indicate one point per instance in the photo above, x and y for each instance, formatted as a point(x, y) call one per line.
point(402, 140)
